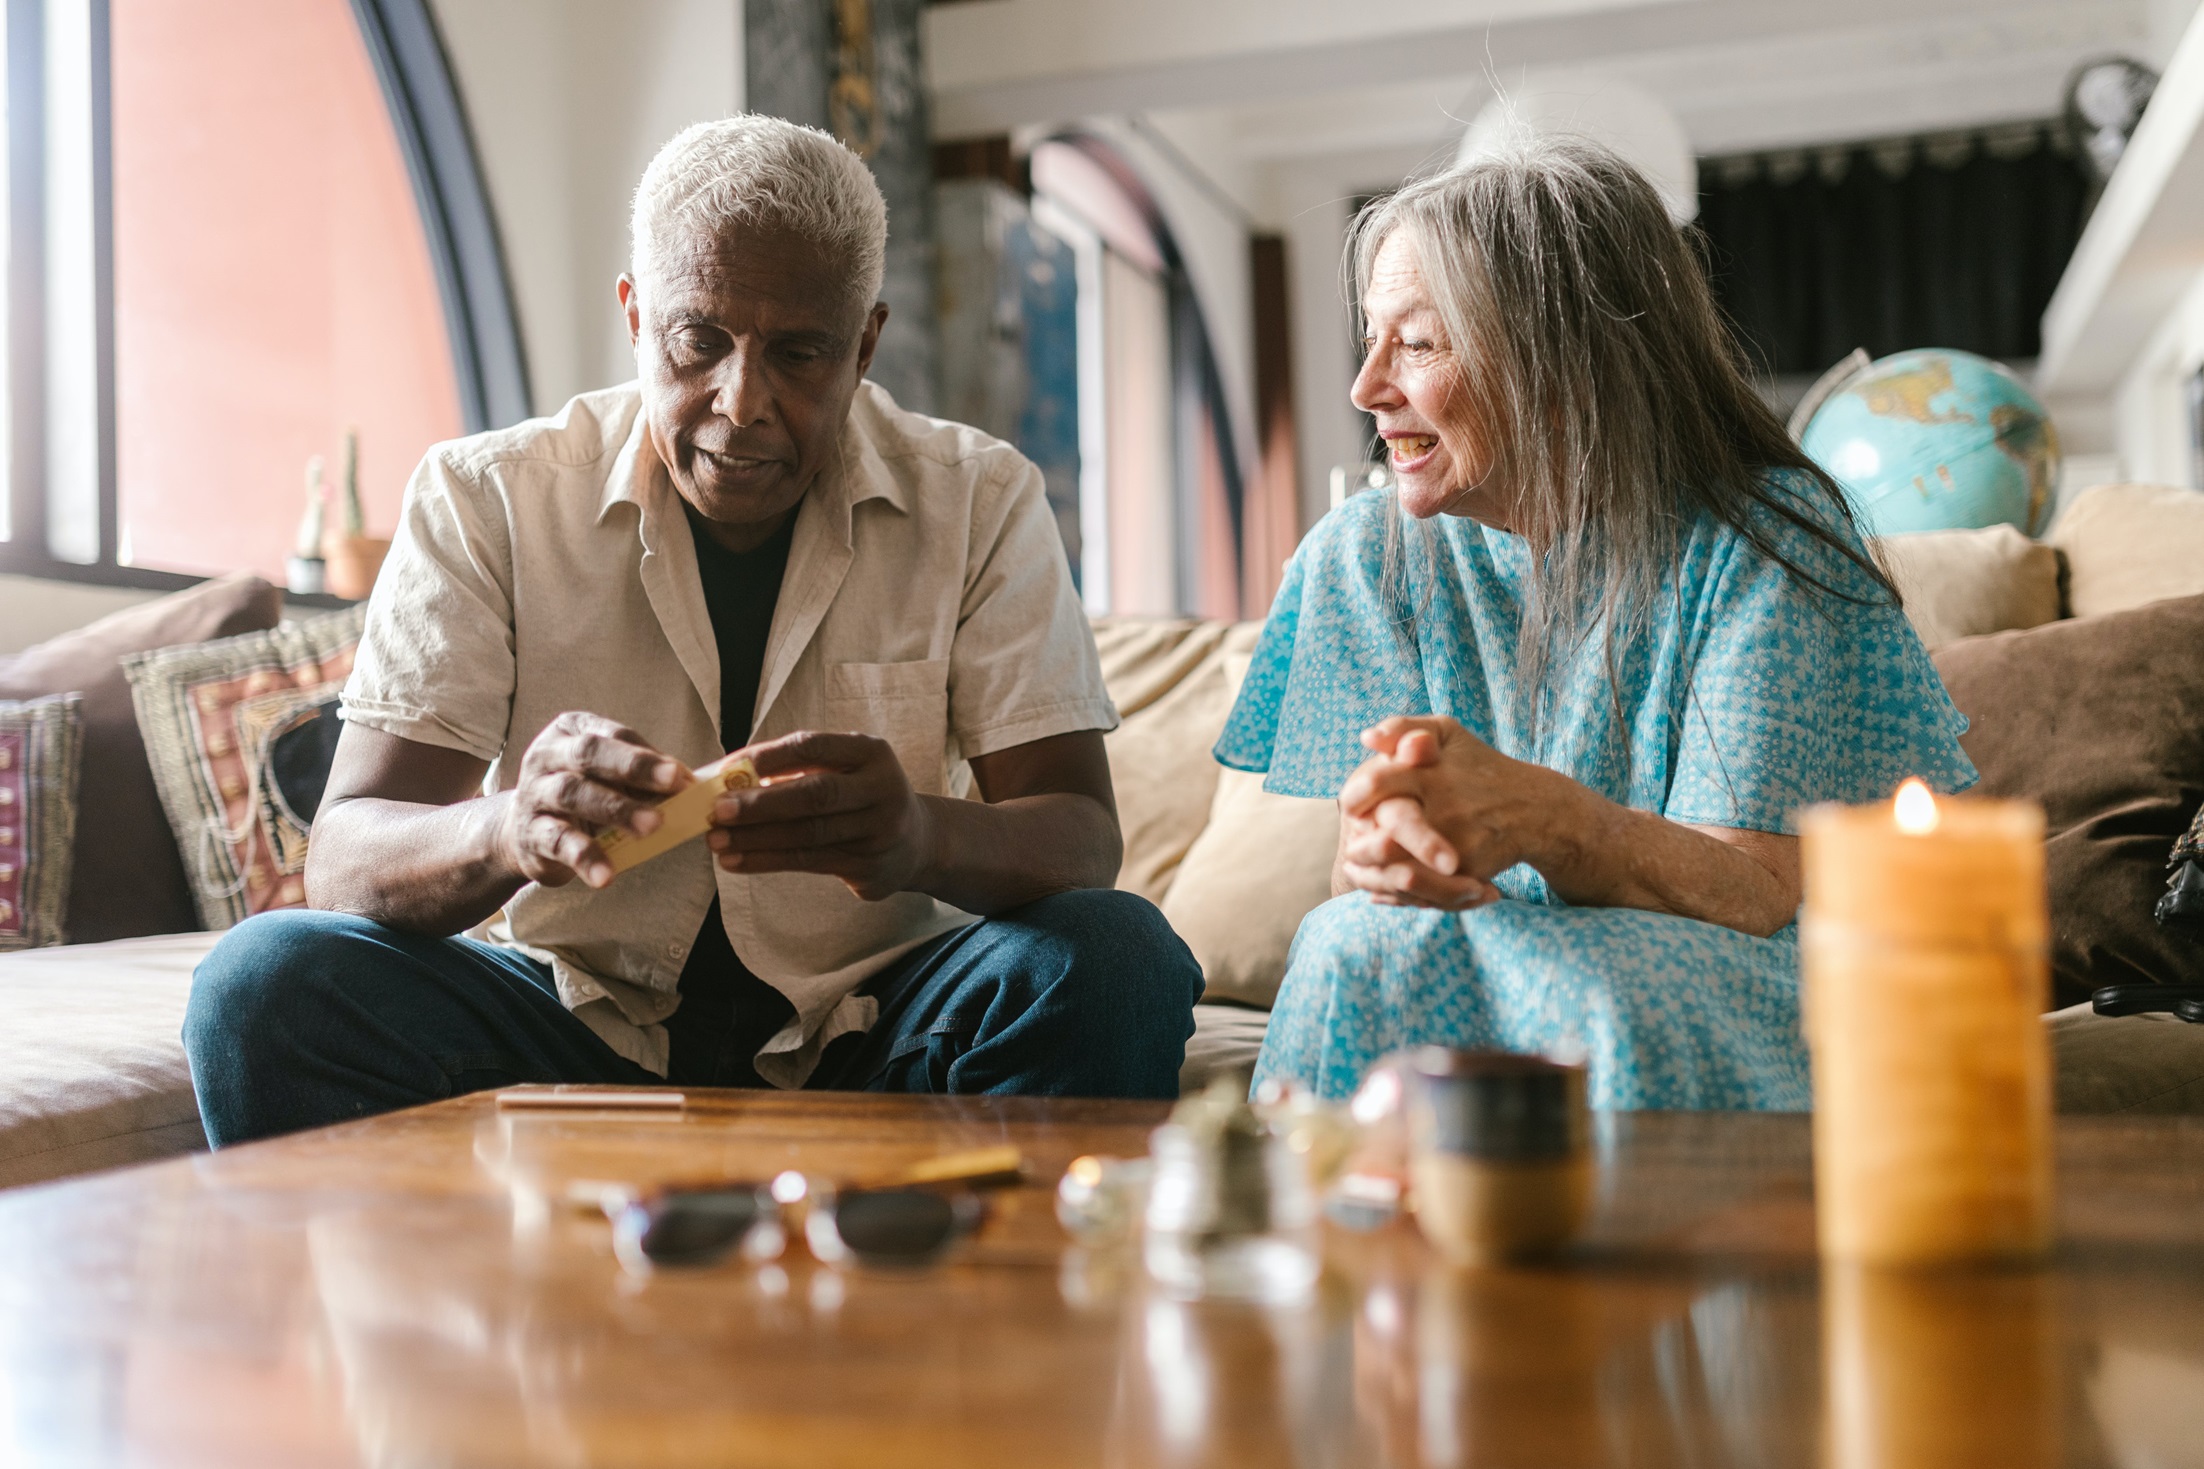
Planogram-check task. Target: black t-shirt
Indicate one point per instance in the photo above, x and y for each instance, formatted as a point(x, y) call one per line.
point(726, 1012)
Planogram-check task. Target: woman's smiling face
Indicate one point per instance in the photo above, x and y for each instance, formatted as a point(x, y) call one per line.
point(1411, 383)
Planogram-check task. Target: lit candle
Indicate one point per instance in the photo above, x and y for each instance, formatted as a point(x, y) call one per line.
point(1924, 948)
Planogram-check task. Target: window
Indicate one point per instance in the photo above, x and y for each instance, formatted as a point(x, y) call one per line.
point(1160, 488)
point(258, 227)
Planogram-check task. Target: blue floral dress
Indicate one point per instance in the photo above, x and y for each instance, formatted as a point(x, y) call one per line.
point(1745, 697)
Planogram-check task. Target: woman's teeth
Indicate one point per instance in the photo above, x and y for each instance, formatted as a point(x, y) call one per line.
point(1413, 447)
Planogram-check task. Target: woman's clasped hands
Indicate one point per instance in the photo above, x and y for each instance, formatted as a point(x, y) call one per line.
point(1436, 813)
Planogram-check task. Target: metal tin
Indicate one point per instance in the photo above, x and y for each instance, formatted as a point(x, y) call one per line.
point(1496, 1105)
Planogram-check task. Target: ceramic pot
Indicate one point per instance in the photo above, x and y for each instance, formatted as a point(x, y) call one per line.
point(351, 564)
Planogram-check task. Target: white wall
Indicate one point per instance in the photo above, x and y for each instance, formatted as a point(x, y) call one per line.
point(2140, 430)
point(2150, 408)
point(1309, 200)
point(568, 100)
point(33, 609)
point(2147, 410)
point(2164, 22)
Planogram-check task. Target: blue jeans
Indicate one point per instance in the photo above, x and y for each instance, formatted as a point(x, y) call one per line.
point(302, 1018)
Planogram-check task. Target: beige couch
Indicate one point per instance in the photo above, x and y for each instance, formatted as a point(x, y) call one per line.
point(92, 1073)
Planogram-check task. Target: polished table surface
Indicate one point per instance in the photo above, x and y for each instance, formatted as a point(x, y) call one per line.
point(409, 1291)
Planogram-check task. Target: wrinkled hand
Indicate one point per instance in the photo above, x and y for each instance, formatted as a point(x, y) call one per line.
point(837, 804)
point(582, 773)
point(1436, 813)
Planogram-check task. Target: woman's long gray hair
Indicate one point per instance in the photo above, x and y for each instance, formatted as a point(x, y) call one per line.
point(1604, 390)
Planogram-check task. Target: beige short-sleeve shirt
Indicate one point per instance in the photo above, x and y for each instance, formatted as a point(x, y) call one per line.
point(548, 567)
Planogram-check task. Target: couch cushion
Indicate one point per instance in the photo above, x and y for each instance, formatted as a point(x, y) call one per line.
point(92, 1070)
point(2101, 720)
point(2130, 544)
point(1226, 1039)
point(127, 877)
point(1960, 583)
point(1170, 684)
point(2126, 1063)
point(1258, 867)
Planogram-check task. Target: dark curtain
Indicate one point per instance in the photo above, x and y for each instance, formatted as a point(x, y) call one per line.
point(1890, 246)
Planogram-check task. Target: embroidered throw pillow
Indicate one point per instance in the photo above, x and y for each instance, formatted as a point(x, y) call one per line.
point(225, 725)
point(41, 743)
point(128, 879)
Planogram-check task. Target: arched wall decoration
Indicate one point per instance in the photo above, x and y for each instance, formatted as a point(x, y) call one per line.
point(487, 355)
point(1204, 450)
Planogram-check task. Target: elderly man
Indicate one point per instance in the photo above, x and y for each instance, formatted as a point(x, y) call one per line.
point(751, 548)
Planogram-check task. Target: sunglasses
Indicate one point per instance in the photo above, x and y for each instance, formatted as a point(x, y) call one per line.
point(881, 1228)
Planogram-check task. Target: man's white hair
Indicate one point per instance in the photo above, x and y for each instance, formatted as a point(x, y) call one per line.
point(763, 173)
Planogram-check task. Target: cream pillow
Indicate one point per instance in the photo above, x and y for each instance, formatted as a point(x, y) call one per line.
point(1958, 583)
point(2130, 544)
point(1172, 685)
point(1255, 871)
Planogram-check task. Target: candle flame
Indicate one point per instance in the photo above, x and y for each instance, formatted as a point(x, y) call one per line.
point(1916, 808)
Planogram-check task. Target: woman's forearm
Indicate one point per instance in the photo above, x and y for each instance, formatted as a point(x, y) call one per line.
point(1611, 856)
point(1436, 813)
point(425, 869)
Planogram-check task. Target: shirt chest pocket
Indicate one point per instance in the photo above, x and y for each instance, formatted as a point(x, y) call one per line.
point(906, 704)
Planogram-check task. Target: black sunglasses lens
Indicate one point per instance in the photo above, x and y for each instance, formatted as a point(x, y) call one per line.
point(698, 1228)
point(895, 1225)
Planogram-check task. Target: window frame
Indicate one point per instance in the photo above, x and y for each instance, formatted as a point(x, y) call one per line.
point(458, 225)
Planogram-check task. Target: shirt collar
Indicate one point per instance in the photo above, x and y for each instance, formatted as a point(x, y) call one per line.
point(638, 474)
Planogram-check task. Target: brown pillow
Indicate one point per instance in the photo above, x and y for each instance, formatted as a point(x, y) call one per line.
point(127, 878)
point(2101, 720)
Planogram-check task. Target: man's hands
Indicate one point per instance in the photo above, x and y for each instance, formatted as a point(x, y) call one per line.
point(401, 836)
point(582, 774)
point(834, 803)
point(837, 804)
point(1436, 813)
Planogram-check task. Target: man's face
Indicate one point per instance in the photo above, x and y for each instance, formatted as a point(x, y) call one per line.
point(750, 350)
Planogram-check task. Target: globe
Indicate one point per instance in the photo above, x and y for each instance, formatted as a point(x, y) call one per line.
point(1937, 440)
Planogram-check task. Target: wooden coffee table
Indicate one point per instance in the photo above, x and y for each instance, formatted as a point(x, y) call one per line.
point(407, 1291)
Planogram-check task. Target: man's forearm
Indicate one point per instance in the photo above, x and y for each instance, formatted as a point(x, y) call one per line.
point(992, 858)
point(426, 869)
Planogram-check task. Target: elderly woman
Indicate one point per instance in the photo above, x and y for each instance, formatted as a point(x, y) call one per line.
point(1574, 675)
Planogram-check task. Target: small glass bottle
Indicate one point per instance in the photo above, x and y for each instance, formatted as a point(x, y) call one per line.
point(1230, 1214)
